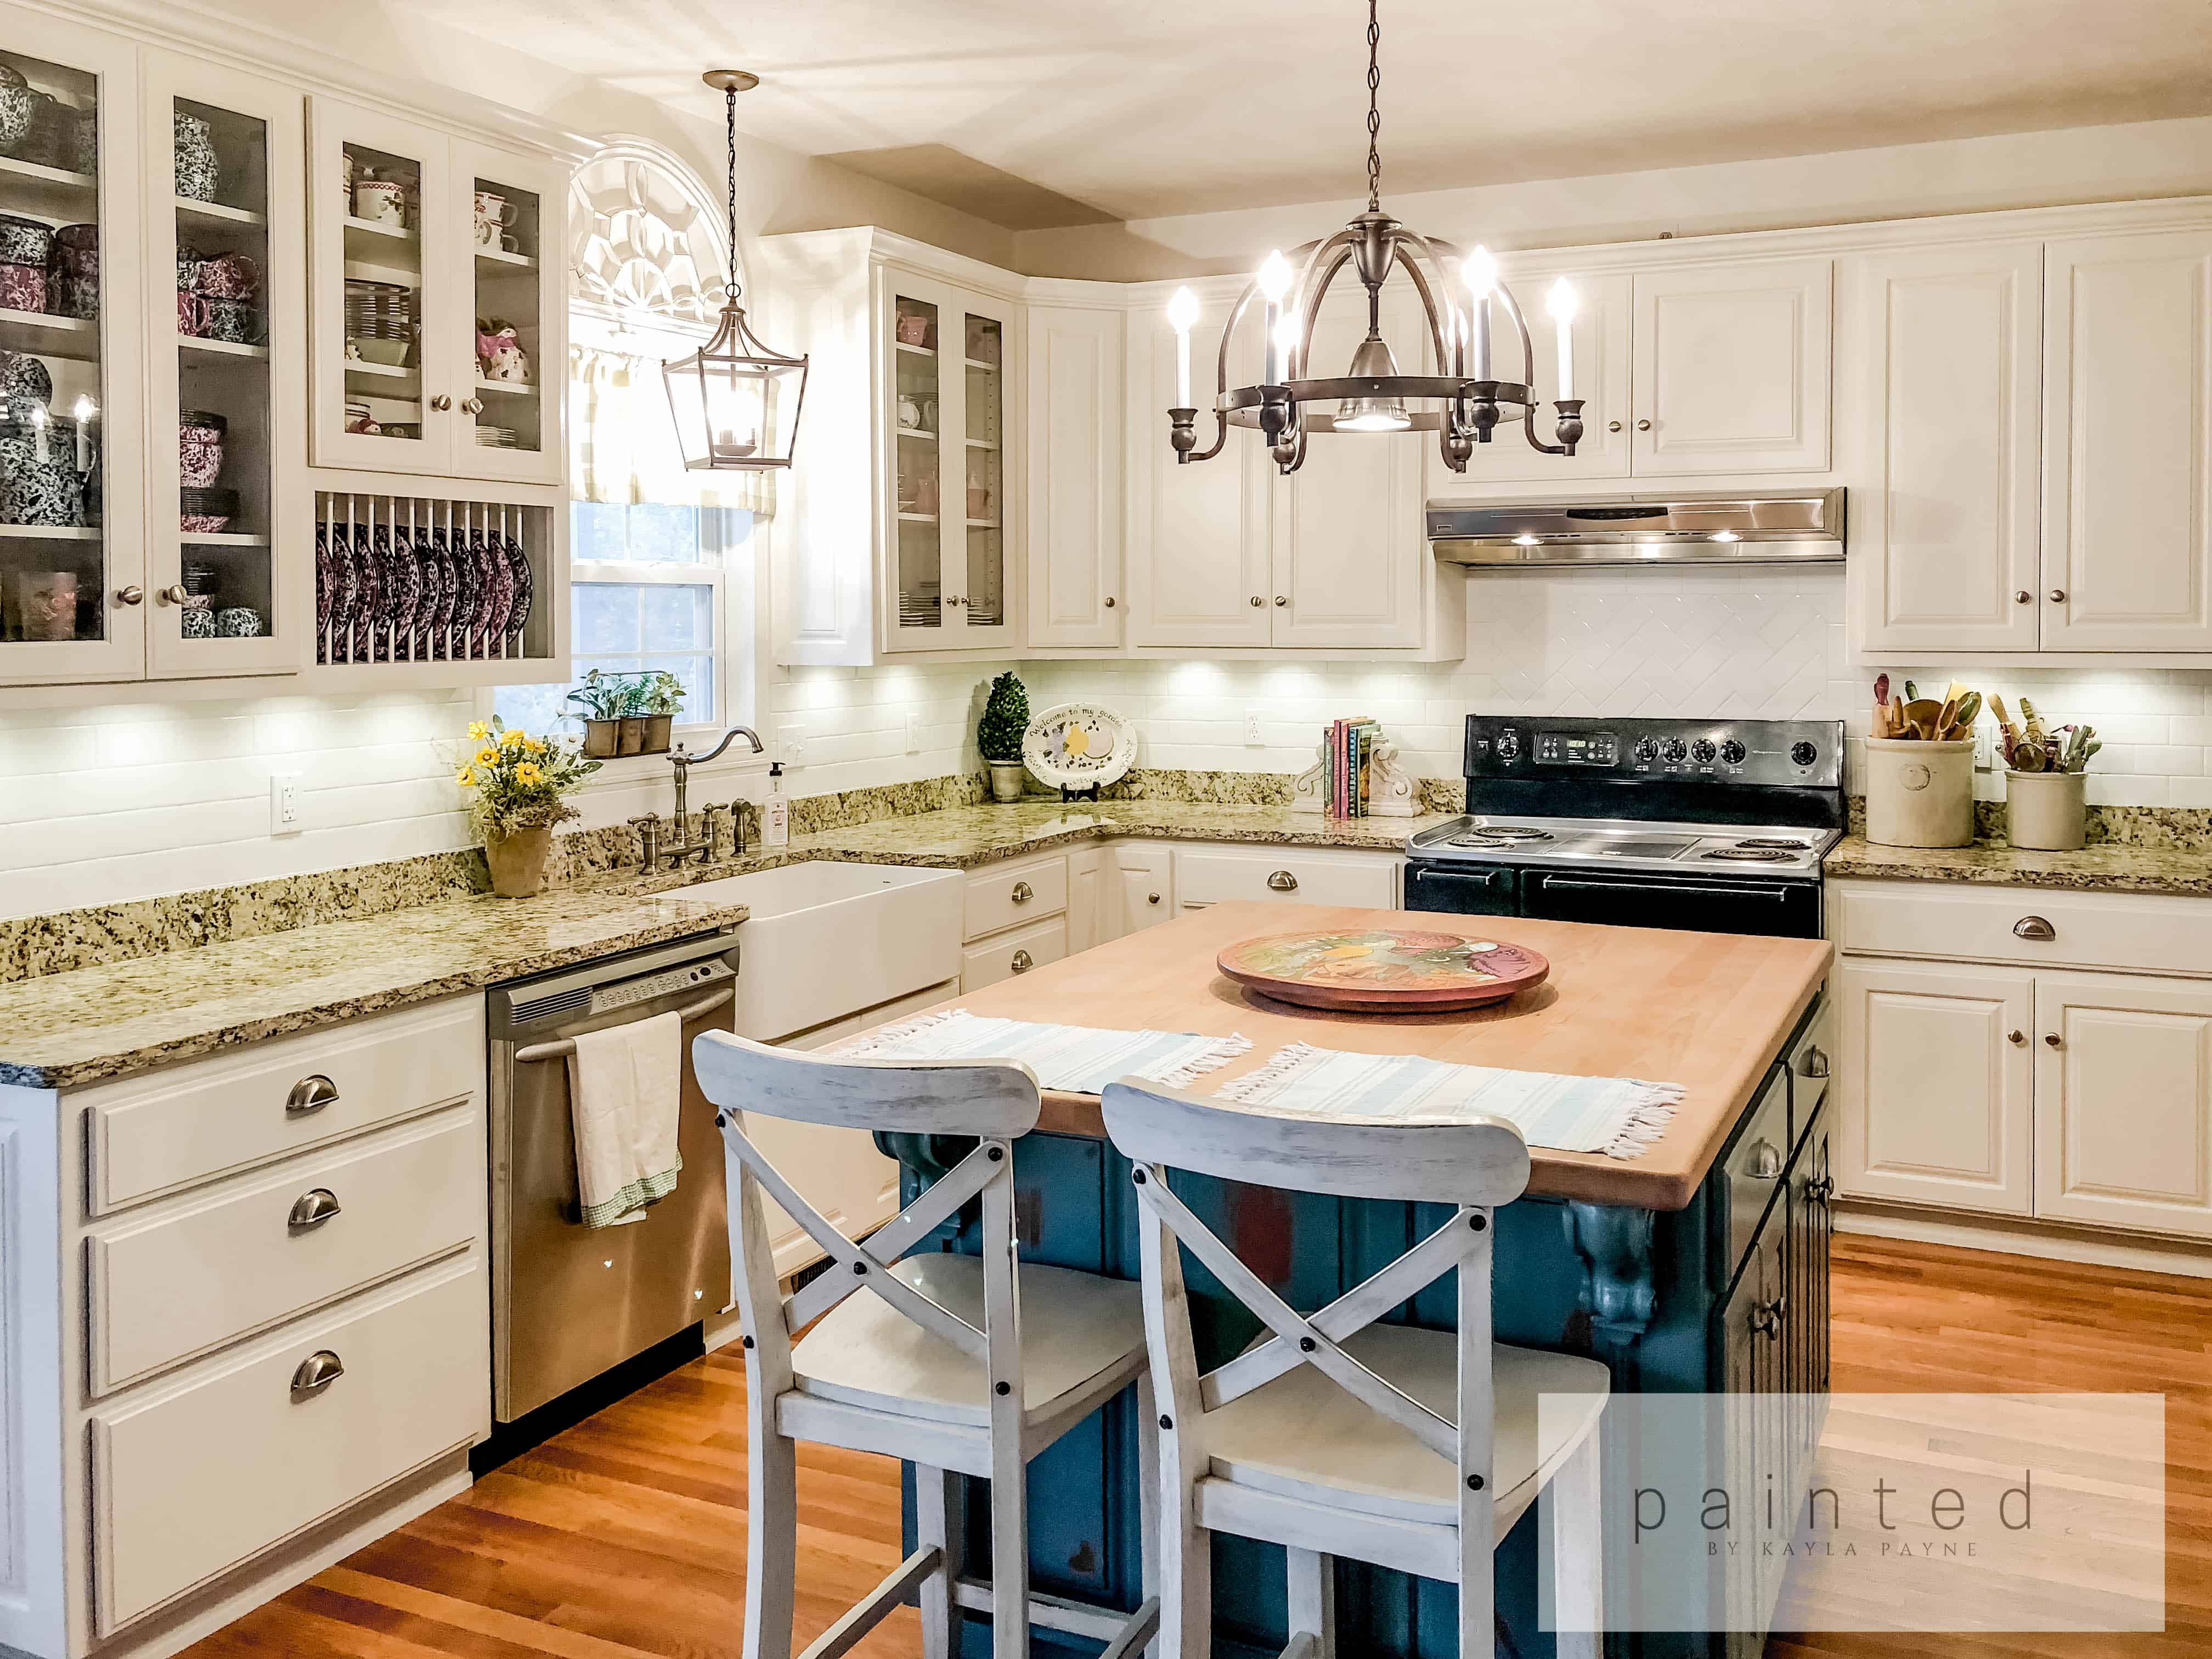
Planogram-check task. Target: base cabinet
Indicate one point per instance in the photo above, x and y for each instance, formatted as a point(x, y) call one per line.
point(1142, 887)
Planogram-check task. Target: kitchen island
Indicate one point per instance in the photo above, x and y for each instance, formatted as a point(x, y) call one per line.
point(1700, 1265)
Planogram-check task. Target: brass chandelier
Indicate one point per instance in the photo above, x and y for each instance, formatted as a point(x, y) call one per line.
point(1463, 402)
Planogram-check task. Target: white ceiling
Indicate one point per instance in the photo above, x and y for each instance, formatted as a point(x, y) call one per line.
point(1136, 108)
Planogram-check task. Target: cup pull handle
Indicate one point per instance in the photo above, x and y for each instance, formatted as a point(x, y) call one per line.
point(1282, 882)
point(310, 1095)
point(311, 1209)
point(1023, 892)
point(1816, 1061)
point(315, 1373)
point(1023, 962)
point(2033, 927)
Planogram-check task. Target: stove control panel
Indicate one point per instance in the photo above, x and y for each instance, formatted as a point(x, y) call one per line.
point(1803, 753)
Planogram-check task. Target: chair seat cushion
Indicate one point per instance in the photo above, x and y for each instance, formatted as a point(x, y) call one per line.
point(1301, 1436)
point(1076, 1328)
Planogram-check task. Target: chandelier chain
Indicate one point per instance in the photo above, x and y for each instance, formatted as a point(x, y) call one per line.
point(732, 287)
point(1374, 111)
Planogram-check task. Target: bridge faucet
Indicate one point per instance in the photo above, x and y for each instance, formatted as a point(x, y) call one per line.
point(686, 846)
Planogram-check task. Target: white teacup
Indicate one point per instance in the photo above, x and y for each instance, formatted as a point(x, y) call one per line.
point(494, 212)
point(380, 201)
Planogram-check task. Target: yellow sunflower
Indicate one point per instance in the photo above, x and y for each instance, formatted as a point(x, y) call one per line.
point(513, 738)
point(478, 730)
point(528, 773)
point(487, 756)
point(466, 777)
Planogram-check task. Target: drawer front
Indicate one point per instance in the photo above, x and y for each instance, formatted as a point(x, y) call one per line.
point(1210, 877)
point(1016, 953)
point(1811, 1060)
point(1018, 893)
point(201, 1476)
point(2143, 932)
point(1753, 1166)
point(153, 1135)
point(259, 1249)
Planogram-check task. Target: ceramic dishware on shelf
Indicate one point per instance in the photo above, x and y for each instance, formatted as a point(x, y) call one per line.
point(23, 288)
point(238, 621)
point(192, 313)
point(227, 276)
point(25, 383)
point(84, 142)
point(40, 483)
point(915, 328)
point(73, 283)
point(17, 102)
point(198, 172)
point(45, 603)
point(494, 212)
point(198, 623)
point(25, 241)
point(979, 501)
point(235, 322)
point(380, 201)
point(53, 131)
point(204, 511)
point(200, 435)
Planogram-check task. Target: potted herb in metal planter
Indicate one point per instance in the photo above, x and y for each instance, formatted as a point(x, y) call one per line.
point(658, 699)
point(999, 735)
point(604, 699)
point(2046, 780)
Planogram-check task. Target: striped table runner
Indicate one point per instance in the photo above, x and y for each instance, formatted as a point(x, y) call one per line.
point(1618, 1116)
point(1077, 1059)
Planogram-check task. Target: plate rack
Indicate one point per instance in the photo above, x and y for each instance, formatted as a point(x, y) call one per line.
point(406, 579)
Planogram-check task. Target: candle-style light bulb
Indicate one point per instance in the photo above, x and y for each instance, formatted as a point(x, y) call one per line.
point(38, 425)
point(1479, 272)
point(1275, 281)
point(1286, 338)
point(1562, 302)
point(1182, 314)
point(84, 409)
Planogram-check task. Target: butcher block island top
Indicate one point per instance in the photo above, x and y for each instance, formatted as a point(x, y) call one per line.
point(1709, 1011)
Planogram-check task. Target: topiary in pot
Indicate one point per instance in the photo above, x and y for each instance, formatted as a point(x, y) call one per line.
point(999, 735)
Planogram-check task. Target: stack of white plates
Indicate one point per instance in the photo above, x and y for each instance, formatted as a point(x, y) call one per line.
point(921, 608)
point(497, 437)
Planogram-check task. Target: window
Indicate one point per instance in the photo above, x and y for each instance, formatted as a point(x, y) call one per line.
point(651, 588)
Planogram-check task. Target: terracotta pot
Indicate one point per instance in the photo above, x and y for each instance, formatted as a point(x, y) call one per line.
point(2046, 811)
point(633, 735)
point(1006, 779)
point(1920, 795)
point(518, 862)
point(602, 739)
point(659, 732)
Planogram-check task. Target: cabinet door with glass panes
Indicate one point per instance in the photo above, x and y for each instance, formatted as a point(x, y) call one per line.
point(951, 576)
point(513, 252)
point(388, 308)
point(225, 516)
point(73, 600)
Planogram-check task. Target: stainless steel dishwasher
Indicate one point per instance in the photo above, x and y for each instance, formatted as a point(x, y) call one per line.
point(568, 1301)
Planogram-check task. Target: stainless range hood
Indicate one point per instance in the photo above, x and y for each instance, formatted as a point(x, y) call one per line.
point(1678, 527)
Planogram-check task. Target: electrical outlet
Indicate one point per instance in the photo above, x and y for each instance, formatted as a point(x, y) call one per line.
point(1252, 729)
point(794, 745)
point(1985, 748)
point(912, 733)
point(284, 804)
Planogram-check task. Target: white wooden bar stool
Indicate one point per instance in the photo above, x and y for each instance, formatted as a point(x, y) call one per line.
point(956, 1365)
point(1414, 1449)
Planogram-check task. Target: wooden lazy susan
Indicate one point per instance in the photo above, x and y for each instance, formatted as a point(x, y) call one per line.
point(1383, 970)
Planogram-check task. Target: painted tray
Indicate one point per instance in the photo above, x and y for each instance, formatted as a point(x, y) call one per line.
point(1079, 745)
point(1383, 969)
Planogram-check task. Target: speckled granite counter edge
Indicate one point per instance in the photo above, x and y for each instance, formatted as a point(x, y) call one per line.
point(2107, 868)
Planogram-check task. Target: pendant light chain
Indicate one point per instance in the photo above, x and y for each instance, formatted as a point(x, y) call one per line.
point(1374, 112)
point(732, 287)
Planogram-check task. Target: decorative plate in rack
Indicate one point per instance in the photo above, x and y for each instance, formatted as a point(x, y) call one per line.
point(1078, 746)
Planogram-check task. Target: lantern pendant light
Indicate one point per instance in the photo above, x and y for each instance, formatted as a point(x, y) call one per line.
point(728, 397)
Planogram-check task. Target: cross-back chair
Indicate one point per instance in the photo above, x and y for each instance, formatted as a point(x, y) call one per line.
point(1414, 1449)
point(956, 1365)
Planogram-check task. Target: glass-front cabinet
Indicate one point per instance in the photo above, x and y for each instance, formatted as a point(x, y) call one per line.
point(73, 599)
point(949, 353)
point(225, 512)
point(436, 314)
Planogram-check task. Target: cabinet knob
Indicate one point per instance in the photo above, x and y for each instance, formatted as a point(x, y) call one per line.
point(2016, 1038)
point(1819, 1190)
point(174, 593)
point(316, 1372)
point(1151, 898)
point(1279, 599)
point(1816, 1061)
point(1023, 892)
point(133, 594)
point(1643, 425)
point(1109, 601)
point(441, 401)
point(1612, 426)
point(1765, 1161)
point(312, 1208)
point(310, 1094)
point(1024, 962)
point(474, 405)
point(2033, 927)
point(1767, 1317)
point(1257, 601)
point(2058, 596)
point(2051, 1038)
point(1282, 881)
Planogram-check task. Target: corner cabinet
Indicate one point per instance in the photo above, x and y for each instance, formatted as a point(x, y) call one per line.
point(1076, 473)
point(904, 508)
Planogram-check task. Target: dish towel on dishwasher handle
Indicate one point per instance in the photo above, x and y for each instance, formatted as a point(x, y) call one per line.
point(1622, 1117)
point(1079, 1060)
point(626, 1094)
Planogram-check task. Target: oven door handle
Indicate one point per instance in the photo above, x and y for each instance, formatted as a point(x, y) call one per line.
point(562, 1048)
point(1780, 895)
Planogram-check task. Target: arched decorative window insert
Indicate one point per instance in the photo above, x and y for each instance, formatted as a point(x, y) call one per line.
point(645, 241)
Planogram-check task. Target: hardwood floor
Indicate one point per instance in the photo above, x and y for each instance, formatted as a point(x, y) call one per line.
point(625, 1536)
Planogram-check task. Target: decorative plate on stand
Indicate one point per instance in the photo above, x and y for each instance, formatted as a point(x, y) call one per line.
point(1078, 746)
point(1383, 970)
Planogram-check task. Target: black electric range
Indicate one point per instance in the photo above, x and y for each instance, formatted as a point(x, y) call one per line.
point(1717, 826)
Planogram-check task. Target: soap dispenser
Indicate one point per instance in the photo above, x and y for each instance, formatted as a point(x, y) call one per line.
point(775, 811)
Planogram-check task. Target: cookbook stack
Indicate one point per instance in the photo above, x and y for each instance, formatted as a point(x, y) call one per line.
point(1349, 751)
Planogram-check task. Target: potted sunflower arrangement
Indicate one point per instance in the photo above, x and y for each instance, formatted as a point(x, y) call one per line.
point(518, 787)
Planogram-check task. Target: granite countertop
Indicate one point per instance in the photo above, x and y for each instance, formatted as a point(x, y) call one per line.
point(69, 1029)
point(2107, 868)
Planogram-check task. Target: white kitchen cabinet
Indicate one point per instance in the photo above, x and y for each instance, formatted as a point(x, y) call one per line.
point(1199, 547)
point(1093, 912)
point(2127, 443)
point(1730, 370)
point(1303, 875)
point(1945, 530)
point(1604, 314)
point(1143, 884)
point(1933, 1085)
point(2123, 1101)
point(1077, 425)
